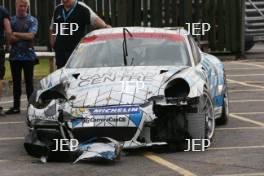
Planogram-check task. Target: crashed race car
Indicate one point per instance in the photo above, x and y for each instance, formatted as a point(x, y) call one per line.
point(129, 88)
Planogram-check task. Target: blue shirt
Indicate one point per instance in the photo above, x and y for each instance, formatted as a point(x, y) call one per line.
point(23, 50)
point(3, 14)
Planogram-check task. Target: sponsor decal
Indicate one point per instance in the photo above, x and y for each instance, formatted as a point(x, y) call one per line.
point(115, 110)
point(107, 119)
point(89, 80)
point(75, 113)
point(136, 118)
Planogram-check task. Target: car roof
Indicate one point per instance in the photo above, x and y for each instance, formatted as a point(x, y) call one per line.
point(175, 30)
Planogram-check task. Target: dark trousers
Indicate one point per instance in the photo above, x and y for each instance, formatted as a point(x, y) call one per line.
point(2, 62)
point(16, 70)
point(61, 58)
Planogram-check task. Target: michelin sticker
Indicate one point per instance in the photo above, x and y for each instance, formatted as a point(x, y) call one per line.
point(116, 110)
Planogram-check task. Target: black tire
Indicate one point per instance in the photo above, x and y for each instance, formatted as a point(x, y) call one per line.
point(224, 118)
point(37, 148)
point(249, 42)
point(33, 146)
point(206, 105)
point(176, 126)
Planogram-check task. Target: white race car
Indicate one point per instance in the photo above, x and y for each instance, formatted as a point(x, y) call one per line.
point(137, 86)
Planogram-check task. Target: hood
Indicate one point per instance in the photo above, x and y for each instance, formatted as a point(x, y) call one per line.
point(117, 85)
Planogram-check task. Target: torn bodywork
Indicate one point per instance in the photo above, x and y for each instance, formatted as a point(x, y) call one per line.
point(168, 117)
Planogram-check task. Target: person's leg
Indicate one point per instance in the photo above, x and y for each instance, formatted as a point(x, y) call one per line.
point(28, 69)
point(59, 59)
point(16, 69)
point(2, 74)
point(1, 90)
point(1, 87)
point(62, 58)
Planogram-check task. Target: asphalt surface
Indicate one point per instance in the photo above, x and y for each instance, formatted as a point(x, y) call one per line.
point(238, 148)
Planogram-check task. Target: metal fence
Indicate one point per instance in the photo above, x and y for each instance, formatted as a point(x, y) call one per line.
point(225, 16)
point(255, 19)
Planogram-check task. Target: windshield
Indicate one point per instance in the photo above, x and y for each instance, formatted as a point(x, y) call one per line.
point(108, 52)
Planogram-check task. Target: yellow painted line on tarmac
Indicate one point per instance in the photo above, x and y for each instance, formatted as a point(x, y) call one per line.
point(247, 174)
point(12, 138)
point(253, 82)
point(235, 61)
point(25, 158)
point(248, 113)
point(3, 161)
point(235, 148)
point(246, 90)
point(168, 164)
point(244, 101)
point(247, 120)
point(10, 123)
point(244, 75)
point(245, 84)
point(243, 68)
point(251, 64)
point(240, 128)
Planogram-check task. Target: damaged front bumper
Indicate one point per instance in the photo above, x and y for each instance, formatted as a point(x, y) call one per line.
point(132, 126)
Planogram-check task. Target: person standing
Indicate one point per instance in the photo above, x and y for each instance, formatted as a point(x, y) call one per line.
point(68, 27)
point(22, 54)
point(5, 31)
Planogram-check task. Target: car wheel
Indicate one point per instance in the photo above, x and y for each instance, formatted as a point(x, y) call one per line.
point(223, 120)
point(33, 146)
point(207, 108)
point(178, 132)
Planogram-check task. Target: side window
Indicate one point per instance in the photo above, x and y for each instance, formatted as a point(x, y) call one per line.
point(195, 50)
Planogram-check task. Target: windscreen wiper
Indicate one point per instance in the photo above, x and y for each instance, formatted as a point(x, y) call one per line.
point(125, 52)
